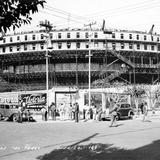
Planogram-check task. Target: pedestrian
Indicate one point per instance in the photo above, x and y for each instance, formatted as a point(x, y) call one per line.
point(113, 113)
point(95, 112)
point(53, 111)
point(145, 113)
point(43, 110)
point(76, 112)
point(20, 114)
point(46, 115)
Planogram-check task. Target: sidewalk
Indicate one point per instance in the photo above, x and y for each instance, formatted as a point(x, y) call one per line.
point(151, 116)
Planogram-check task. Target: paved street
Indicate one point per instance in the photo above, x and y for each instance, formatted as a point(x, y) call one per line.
point(132, 139)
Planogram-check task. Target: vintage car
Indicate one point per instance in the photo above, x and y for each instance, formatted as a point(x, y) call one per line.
point(10, 112)
point(124, 111)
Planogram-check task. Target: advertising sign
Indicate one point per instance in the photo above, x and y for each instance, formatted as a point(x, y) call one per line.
point(35, 100)
point(96, 98)
point(9, 99)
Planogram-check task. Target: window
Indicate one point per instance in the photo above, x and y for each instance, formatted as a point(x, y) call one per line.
point(4, 40)
point(145, 37)
point(113, 35)
point(10, 49)
point(78, 44)
point(42, 36)
point(138, 46)
point(152, 47)
point(96, 44)
point(51, 35)
point(130, 36)
point(113, 46)
point(137, 36)
point(18, 38)
point(95, 35)
point(3, 49)
point(86, 35)
point(122, 45)
point(25, 37)
point(18, 48)
point(122, 36)
point(68, 45)
point(42, 46)
point(104, 44)
point(68, 35)
point(87, 45)
point(59, 45)
point(158, 47)
point(151, 38)
point(33, 46)
point(130, 46)
point(33, 37)
point(59, 35)
point(25, 47)
point(77, 35)
point(11, 39)
point(145, 47)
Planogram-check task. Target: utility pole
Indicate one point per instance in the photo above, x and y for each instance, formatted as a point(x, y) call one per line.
point(89, 63)
point(48, 28)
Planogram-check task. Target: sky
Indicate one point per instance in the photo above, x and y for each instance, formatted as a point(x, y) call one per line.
point(137, 15)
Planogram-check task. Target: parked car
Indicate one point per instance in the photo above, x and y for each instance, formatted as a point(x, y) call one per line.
point(124, 111)
point(10, 112)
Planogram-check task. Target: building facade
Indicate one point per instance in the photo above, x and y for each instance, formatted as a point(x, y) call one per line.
point(116, 56)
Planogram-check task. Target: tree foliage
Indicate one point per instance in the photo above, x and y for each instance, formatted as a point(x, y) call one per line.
point(17, 12)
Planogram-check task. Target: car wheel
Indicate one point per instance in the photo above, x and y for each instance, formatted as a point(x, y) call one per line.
point(118, 117)
point(1, 116)
point(131, 115)
point(15, 118)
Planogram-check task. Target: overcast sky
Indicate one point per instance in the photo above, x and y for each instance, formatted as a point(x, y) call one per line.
point(120, 14)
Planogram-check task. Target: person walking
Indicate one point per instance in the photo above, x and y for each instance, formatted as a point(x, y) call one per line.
point(113, 113)
point(145, 113)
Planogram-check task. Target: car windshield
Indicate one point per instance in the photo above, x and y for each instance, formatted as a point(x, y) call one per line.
point(124, 106)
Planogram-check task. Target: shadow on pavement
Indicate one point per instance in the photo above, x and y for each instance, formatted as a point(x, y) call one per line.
point(100, 151)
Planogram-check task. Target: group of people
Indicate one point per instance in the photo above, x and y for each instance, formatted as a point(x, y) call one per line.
point(23, 112)
point(71, 113)
point(88, 113)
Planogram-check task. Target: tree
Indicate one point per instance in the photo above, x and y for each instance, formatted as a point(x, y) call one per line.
point(17, 12)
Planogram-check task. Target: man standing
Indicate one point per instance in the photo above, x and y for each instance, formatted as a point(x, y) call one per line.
point(76, 112)
point(20, 112)
point(53, 111)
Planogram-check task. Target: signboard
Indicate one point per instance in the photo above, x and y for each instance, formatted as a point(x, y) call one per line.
point(118, 98)
point(35, 100)
point(96, 99)
point(9, 99)
point(66, 99)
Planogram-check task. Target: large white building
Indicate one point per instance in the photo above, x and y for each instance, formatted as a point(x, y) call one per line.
point(117, 55)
